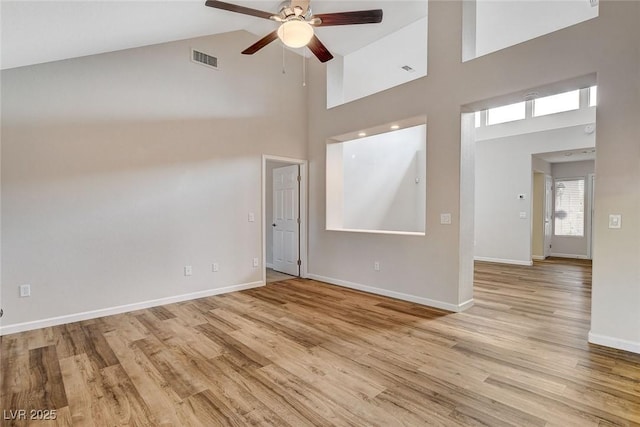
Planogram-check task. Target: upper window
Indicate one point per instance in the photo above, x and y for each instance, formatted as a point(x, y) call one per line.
point(593, 96)
point(569, 207)
point(507, 113)
point(556, 103)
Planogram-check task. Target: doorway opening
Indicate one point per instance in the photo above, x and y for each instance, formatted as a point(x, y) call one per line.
point(564, 192)
point(521, 151)
point(284, 213)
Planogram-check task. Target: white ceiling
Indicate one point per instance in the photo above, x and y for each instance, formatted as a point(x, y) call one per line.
point(42, 31)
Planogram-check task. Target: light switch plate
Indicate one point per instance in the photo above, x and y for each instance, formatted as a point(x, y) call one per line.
point(523, 215)
point(25, 291)
point(188, 270)
point(251, 217)
point(615, 221)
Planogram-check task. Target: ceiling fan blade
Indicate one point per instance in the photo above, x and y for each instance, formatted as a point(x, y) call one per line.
point(319, 50)
point(260, 43)
point(373, 16)
point(239, 9)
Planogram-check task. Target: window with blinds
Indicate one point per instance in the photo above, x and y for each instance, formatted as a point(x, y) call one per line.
point(569, 207)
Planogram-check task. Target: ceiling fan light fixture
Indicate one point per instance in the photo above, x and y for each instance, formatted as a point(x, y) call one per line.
point(295, 33)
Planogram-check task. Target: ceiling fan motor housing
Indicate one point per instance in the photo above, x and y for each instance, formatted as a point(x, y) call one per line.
point(294, 9)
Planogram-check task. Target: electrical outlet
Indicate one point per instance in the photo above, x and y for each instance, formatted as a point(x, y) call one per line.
point(188, 270)
point(215, 267)
point(25, 290)
point(256, 262)
point(376, 266)
point(615, 221)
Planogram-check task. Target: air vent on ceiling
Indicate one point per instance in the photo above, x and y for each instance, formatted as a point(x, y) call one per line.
point(407, 68)
point(204, 59)
point(593, 3)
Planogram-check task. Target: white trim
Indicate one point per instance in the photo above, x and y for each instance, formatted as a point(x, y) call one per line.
point(398, 295)
point(465, 305)
point(612, 342)
point(538, 257)
point(86, 315)
point(503, 261)
point(573, 256)
point(589, 226)
point(399, 233)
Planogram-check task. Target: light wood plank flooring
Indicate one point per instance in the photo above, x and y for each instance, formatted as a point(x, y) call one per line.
point(276, 276)
point(301, 353)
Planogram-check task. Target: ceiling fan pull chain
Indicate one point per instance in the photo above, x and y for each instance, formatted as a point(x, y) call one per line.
point(304, 67)
point(284, 71)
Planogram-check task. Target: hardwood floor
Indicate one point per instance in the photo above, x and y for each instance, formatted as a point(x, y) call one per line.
point(302, 353)
point(276, 276)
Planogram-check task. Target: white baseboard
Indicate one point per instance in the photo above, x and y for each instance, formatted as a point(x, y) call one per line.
point(86, 315)
point(503, 261)
point(612, 342)
point(393, 294)
point(538, 257)
point(573, 256)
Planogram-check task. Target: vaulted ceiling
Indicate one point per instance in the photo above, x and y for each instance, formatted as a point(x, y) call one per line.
point(42, 31)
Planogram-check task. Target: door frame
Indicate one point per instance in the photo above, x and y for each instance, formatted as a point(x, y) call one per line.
point(549, 200)
point(590, 196)
point(304, 176)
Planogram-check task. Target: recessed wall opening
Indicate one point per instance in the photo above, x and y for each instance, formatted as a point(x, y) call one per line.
point(398, 55)
point(490, 25)
point(376, 179)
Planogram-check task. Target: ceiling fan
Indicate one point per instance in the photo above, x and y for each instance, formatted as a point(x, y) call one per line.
point(297, 23)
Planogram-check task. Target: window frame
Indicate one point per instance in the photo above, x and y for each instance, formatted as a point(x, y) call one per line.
point(584, 206)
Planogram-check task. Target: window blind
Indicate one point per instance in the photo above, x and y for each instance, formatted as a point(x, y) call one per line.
point(569, 207)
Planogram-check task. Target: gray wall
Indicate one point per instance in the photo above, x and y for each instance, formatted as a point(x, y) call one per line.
point(380, 188)
point(120, 169)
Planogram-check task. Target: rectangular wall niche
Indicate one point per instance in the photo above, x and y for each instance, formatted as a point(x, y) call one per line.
point(376, 184)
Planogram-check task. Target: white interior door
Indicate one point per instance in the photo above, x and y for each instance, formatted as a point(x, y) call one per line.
point(286, 226)
point(548, 214)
